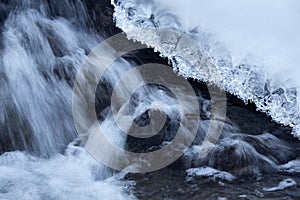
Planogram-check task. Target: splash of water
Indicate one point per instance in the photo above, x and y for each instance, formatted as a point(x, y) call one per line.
point(74, 175)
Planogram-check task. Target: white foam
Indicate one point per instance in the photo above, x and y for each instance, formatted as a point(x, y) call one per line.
point(69, 176)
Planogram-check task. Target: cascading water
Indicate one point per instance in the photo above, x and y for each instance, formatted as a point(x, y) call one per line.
point(40, 56)
point(43, 44)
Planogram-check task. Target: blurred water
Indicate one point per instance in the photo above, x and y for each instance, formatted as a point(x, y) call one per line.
point(74, 175)
point(43, 44)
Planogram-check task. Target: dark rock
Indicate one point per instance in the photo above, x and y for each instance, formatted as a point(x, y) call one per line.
point(149, 144)
point(101, 13)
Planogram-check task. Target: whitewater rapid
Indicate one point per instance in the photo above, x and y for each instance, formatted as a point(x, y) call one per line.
point(254, 46)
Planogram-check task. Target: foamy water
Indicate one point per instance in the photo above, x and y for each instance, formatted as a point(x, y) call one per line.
point(73, 175)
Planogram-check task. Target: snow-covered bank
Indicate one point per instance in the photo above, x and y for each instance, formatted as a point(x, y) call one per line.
point(252, 44)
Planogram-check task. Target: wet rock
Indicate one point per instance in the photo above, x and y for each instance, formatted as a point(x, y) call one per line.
point(151, 143)
point(102, 15)
point(258, 194)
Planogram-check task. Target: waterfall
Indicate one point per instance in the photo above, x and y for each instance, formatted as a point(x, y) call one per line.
point(78, 113)
point(43, 45)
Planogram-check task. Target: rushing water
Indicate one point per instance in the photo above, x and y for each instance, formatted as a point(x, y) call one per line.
point(39, 57)
point(43, 45)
